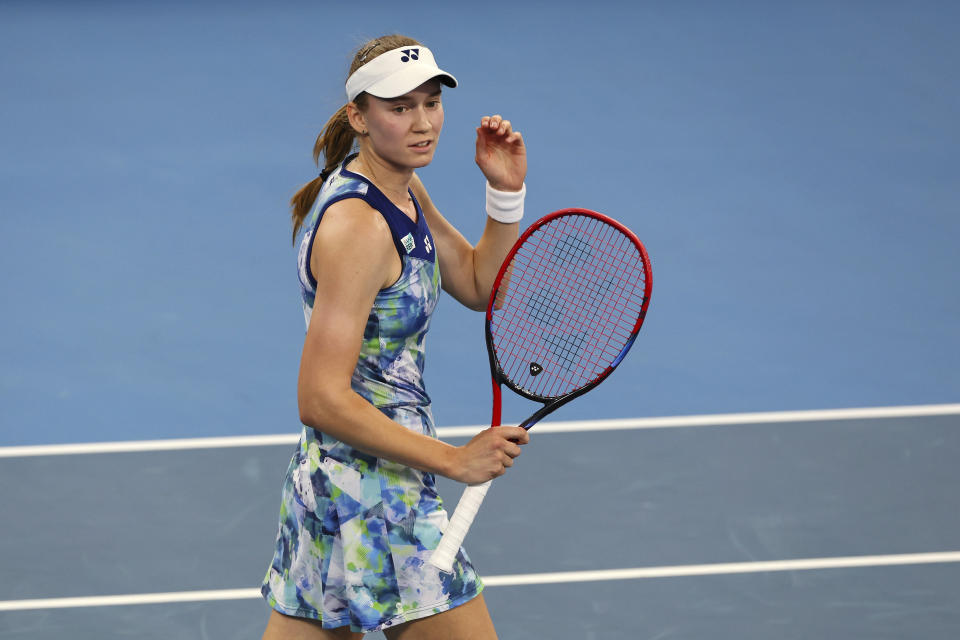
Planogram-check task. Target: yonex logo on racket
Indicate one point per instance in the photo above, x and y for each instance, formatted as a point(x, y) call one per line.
point(410, 54)
point(535, 369)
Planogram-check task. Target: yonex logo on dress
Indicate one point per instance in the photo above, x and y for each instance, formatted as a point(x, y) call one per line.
point(426, 242)
point(409, 54)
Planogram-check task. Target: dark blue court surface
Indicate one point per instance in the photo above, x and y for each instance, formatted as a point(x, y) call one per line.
point(850, 498)
point(791, 169)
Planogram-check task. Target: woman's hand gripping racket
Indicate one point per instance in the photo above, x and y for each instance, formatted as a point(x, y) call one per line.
point(565, 308)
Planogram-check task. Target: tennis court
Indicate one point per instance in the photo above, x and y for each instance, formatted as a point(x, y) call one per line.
point(710, 526)
point(776, 458)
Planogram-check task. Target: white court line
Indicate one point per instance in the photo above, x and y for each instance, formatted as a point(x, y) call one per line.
point(715, 420)
point(521, 579)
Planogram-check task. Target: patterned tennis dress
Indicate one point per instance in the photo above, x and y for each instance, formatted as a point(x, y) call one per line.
point(356, 531)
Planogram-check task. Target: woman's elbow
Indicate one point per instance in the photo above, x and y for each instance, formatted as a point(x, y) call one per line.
point(309, 415)
point(479, 298)
point(470, 297)
point(317, 410)
point(478, 305)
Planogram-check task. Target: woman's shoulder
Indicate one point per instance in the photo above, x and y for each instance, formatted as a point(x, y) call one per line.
point(351, 238)
point(353, 216)
point(343, 183)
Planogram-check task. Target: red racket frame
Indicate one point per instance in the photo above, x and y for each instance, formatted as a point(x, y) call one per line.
point(496, 373)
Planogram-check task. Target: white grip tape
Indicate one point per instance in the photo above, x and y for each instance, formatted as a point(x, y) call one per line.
point(458, 526)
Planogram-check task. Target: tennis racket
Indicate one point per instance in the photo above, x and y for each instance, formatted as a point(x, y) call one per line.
point(565, 308)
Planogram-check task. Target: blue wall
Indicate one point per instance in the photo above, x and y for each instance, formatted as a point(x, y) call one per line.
point(791, 168)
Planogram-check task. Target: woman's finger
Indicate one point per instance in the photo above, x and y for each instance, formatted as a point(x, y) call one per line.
point(514, 138)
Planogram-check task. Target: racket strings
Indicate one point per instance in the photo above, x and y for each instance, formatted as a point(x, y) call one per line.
point(598, 307)
point(569, 305)
point(572, 363)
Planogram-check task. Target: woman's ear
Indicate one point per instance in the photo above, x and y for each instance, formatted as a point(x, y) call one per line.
point(357, 121)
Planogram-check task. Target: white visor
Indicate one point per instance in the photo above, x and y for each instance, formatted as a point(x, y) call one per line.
point(396, 72)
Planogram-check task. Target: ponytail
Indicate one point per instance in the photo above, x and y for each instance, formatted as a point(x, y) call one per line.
point(336, 138)
point(335, 142)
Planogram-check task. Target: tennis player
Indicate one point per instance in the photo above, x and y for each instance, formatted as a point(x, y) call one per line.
point(360, 514)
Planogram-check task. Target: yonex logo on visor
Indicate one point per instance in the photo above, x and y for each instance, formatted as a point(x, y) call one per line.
point(395, 72)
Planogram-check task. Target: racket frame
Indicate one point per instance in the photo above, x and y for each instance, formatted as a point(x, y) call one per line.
point(552, 403)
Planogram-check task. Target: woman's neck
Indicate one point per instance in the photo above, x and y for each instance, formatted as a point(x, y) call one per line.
point(394, 184)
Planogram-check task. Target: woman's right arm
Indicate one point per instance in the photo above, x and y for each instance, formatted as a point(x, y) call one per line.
point(352, 259)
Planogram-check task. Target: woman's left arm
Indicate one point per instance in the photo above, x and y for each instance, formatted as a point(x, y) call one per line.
point(467, 271)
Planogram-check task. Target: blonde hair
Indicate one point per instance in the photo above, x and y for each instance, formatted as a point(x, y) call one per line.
point(337, 137)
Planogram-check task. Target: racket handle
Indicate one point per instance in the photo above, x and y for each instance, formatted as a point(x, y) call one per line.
point(458, 526)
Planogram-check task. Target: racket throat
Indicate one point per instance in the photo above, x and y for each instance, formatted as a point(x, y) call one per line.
point(495, 419)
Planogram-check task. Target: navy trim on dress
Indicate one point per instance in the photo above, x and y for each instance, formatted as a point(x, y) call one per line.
point(403, 230)
point(400, 224)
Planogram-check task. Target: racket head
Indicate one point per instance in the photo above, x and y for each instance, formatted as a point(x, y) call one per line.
point(566, 305)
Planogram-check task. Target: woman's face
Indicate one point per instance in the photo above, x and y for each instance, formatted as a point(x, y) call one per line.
point(404, 131)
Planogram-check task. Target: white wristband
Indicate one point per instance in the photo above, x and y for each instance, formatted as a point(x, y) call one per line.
point(505, 206)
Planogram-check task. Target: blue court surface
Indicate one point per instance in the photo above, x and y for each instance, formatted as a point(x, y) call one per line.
point(775, 459)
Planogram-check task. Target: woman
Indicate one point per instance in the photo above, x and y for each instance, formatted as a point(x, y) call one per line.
point(360, 514)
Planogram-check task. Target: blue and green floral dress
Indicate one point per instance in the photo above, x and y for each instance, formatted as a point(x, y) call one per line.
point(356, 531)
